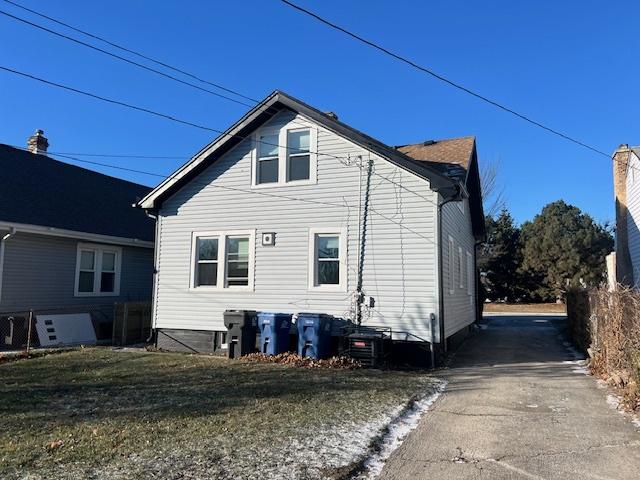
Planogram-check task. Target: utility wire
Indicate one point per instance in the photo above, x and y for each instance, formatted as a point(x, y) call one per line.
point(343, 160)
point(224, 187)
point(153, 112)
point(428, 71)
point(133, 52)
point(118, 57)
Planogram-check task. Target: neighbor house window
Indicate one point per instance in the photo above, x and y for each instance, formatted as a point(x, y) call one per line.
point(97, 270)
point(327, 254)
point(222, 260)
point(268, 159)
point(452, 266)
point(298, 155)
point(285, 155)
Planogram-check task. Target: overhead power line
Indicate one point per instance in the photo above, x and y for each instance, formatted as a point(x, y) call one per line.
point(442, 78)
point(121, 58)
point(131, 51)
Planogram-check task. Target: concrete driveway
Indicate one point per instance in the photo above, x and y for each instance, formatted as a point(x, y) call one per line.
point(514, 408)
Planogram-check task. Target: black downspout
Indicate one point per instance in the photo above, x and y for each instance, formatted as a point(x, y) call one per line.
point(363, 237)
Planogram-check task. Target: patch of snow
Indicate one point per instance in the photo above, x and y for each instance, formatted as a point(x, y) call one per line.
point(533, 405)
point(613, 401)
point(397, 432)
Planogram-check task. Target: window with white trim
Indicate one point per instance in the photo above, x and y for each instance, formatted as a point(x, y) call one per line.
point(237, 267)
point(452, 266)
point(470, 274)
point(268, 159)
point(460, 268)
point(97, 270)
point(206, 261)
point(222, 260)
point(298, 155)
point(285, 156)
point(327, 259)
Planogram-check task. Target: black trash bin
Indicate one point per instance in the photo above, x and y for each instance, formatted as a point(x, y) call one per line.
point(242, 328)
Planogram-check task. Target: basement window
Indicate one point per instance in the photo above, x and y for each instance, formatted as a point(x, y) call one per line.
point(97, 270)
point(327, 259)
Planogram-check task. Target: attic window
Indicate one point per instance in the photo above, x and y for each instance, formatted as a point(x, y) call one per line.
point(268, 159)
point(286, 155)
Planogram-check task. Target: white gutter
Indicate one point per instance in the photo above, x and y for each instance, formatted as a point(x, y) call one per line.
point(60, 232)
point(3, 240)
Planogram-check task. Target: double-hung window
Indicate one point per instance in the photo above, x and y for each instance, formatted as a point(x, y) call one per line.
point(298, 155)
point(207, 261)
point(285, 155)
point(268, 159)
point(222, 260)
point(327, 259)
point(237, 267)
point(97, 270)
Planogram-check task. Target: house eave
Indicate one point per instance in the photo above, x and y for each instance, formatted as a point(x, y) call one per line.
point(86, 236)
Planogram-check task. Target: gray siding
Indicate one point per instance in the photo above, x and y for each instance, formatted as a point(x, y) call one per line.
point(400, 262)
point(39, 272)
point(459, 306)
point(633, 215)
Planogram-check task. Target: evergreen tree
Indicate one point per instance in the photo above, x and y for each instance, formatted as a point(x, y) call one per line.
point(562, 248)
point(500, 257)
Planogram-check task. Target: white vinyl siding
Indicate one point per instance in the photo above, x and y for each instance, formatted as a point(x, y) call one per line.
point(459, 306)
point(400, 264)
point(452, 267)
point(470, 274)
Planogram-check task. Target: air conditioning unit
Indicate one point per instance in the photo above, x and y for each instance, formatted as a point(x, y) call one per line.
point(367, 348)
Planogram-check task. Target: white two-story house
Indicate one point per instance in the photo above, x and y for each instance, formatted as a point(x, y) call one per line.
point(291, 210)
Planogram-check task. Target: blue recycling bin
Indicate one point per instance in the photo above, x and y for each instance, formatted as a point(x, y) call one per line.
point(314, 335)
point(274, 332)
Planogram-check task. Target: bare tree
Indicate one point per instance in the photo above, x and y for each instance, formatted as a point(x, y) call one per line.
point(493, 198)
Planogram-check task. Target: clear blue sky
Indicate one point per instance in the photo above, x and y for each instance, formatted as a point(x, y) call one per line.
point(572, 65)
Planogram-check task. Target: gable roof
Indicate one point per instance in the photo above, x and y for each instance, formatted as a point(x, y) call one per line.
point(38, 190)
point(265, 110)
point(457, 159)
point(452, 156)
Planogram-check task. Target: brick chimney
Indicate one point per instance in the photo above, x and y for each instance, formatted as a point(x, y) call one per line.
point(38, 143)
point(624, 269)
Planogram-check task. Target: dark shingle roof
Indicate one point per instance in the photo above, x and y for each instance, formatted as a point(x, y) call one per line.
point(37, 190)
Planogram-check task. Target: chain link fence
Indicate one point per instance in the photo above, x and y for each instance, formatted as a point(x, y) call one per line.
point(118, 324)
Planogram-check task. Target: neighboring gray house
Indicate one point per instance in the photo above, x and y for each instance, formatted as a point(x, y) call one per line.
point(69, 236)
point(626, 169)
point(291, 210)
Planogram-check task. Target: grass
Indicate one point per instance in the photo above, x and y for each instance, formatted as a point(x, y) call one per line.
point(98, 413)
point(558, 308)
